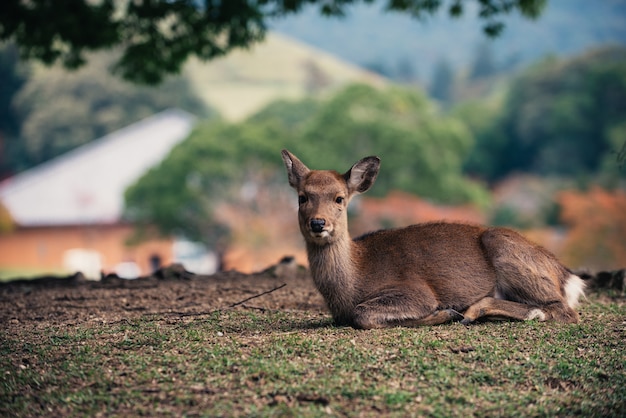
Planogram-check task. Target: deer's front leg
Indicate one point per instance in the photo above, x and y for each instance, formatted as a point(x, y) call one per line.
point(401, 307)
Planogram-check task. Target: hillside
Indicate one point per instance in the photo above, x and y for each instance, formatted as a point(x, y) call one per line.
point(237, 85)
point(246, 80)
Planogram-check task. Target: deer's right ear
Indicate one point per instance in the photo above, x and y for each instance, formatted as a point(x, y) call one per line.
point(296, 170)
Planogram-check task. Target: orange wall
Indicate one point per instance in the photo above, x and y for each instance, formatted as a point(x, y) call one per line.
point(43, 248)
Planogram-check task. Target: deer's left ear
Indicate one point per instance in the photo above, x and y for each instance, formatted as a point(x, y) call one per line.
point(362, 174)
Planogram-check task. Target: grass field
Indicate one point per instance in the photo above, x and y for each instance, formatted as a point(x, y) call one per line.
point(7, 274)
point(274, 363)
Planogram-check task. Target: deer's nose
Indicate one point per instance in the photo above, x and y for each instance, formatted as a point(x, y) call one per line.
point(317, 225)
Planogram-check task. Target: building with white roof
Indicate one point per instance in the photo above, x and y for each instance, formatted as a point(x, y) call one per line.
point(87, 184)
point(68, 211)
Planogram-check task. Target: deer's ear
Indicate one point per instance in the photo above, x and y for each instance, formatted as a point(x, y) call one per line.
point(362, 174)
point(296, 170)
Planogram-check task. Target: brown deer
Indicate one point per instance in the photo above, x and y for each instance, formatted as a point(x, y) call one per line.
point(423, 274)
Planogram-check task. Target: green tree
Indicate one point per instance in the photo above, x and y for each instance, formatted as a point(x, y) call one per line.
point(157, 36)
point(560, 117)
point(181, 194)
point(422, 152)
point(13, 78)
point(60, 111)
point(482, 118)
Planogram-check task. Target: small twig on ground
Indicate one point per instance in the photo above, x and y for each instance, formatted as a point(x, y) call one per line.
point(258, 308)
point(241, 302)
point(185, 314)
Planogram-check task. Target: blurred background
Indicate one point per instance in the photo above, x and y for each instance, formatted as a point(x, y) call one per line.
point(526, 129)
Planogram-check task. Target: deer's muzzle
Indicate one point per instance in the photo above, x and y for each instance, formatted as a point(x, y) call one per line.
point(317, 225)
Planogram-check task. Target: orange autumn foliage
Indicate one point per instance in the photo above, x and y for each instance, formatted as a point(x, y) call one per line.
point(597, 228)
point(402, 209)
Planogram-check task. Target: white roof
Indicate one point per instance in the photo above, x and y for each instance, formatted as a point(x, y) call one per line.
point(86, 185)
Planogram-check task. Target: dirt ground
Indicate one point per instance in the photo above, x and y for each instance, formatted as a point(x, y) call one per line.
point(170, 291)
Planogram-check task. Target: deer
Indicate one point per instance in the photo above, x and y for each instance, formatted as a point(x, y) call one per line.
point(424, 274)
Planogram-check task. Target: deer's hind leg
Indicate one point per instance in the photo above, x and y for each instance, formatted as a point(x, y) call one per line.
point(492, 308)
point(529, 281)
point(400, 307)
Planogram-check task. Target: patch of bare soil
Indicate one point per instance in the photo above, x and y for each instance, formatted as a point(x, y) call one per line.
point(170, 291)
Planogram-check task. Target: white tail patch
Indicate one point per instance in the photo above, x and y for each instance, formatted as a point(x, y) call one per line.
point(574, 289)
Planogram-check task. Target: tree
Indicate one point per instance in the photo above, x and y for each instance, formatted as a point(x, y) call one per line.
point(13, 78)
point(482, 118)
point(218, 164)
point(560, 117)
point(422, 152)
point(157, 36)
point(597, 221)
point(225, 185)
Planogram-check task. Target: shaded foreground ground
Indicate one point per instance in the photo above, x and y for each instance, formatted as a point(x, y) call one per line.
point(171, 292)
point(178, 344)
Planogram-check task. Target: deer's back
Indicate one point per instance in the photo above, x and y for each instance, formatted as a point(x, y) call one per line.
point(448, 257)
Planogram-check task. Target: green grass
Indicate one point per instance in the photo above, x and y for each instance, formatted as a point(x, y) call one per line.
point(243, 363)
point(7, 274)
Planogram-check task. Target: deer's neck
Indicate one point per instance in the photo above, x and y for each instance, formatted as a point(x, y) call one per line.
point(334, 273)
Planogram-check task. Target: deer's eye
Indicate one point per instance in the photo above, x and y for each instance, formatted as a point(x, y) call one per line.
point(302, 199)
point(339, 200)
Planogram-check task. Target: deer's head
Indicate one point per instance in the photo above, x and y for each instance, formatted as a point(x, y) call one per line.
point(323, 196)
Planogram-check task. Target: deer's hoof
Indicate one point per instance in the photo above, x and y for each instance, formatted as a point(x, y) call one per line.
point(467, 321)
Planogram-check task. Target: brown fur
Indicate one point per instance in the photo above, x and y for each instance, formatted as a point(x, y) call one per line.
point(424, 274)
